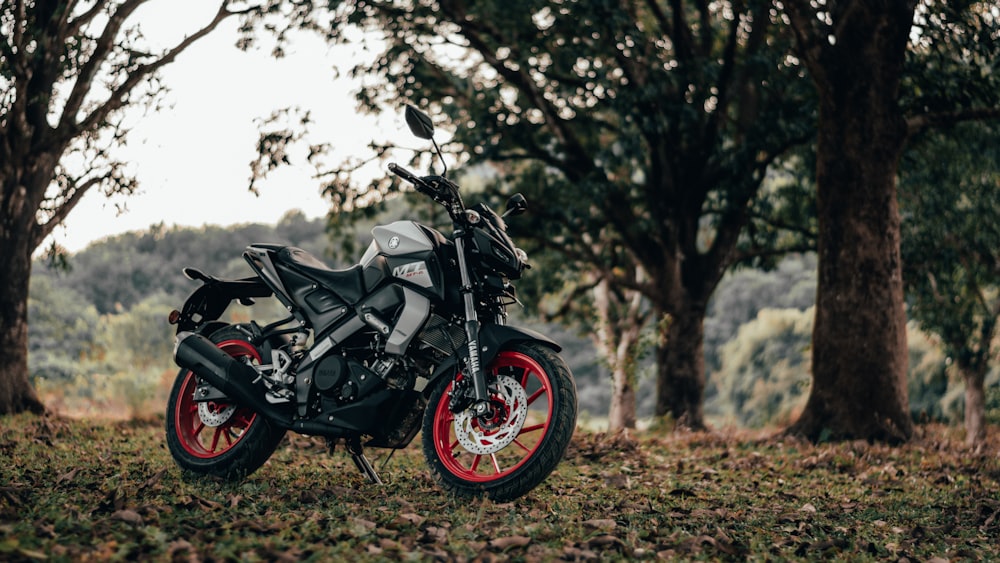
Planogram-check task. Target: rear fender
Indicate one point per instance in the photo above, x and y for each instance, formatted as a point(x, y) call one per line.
point(209, 301)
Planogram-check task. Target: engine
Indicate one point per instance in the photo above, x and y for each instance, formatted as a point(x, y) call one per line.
point(344, 380)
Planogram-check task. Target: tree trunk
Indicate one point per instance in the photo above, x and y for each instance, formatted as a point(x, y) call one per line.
point(859, 336)
point(16, 392)
point(975, 403)
point(617, 337)
point(680, 360)
point(621, 415)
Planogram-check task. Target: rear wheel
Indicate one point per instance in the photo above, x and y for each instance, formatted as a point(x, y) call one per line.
point(217, 437)
point(508, 452)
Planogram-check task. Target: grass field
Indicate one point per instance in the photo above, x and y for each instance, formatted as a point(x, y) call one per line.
point(87, 490)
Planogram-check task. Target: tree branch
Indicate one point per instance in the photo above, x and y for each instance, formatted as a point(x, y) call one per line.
point(75, 25)
point(579, 163)
point(85, 76)
point(805, 21)
point(919, 123)
point(116, 99)
point(60, 213)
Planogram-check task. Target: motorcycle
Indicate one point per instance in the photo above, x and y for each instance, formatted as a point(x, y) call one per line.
point(413, 339)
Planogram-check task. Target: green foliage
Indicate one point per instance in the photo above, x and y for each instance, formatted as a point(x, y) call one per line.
point(79, 490)
point(951, 239)
point(62, 331)
point(952, 404)
point(992, 413)
point(744, 292)
point(928, 381)
point(765, 373)
point(951, 62)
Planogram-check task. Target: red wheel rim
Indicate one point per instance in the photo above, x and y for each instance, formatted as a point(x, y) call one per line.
point(482, 468)
point(196, 437)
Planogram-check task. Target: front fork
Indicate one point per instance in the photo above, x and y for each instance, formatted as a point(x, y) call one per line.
point(481, 405)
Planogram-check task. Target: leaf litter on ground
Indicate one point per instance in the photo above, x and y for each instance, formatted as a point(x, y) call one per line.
point(73, 490)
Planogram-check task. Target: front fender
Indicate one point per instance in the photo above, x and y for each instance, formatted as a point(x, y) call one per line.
point(492, 339)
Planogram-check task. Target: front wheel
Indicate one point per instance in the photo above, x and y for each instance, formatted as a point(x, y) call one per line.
point(508, 452)
point(216, 437)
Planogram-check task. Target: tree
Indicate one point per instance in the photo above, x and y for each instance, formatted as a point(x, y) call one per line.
point(654, 121)
point(856, 51)
point(68, 69)
point(613, 318)
point(620, 321)
point(951, 250)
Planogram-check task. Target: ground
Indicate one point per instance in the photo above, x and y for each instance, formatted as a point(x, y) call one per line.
point(89, 490)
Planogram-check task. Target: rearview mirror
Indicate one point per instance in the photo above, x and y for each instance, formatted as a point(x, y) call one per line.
point(419, 123)
point(516, 205)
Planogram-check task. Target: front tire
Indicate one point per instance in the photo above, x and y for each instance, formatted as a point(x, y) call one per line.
point(218, 438)
point(509, 453)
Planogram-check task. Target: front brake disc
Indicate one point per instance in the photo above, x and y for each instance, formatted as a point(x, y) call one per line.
point(487, 437)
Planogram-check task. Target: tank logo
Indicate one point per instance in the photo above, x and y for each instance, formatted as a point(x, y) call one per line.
point(415, 273)
point(393, 242)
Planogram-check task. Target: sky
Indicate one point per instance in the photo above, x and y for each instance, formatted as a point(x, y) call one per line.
point(192, 159)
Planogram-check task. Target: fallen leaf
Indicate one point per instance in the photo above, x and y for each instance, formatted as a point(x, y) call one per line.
point(434, 534)
point(68, 476)
point(408, 519)
point(180, 546)
point(128, 515)
point(604, 541)
point(509, 542)
point(155, 479)
point(361, 527)
point(600, 524)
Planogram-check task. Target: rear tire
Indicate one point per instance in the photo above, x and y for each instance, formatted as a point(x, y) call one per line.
point(218, 438)
point(508, 454)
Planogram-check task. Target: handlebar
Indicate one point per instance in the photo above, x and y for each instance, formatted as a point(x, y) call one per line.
point(438, 188)
point(404, 174)
point(420, 183)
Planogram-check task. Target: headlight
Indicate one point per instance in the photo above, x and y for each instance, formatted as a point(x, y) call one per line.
point(521, 255)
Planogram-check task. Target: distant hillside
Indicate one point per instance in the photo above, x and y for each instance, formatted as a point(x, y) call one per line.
point(121, 271)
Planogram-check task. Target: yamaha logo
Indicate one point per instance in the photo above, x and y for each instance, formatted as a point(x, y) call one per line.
point(393, 242)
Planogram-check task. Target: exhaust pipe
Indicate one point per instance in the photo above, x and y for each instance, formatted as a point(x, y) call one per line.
point(225, 373)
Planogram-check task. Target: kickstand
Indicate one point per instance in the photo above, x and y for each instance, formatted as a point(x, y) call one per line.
point(357, 454)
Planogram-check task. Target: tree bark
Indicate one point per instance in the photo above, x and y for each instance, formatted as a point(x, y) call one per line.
point(16, 393)
point(859, 336)
point(617, 336)
point(621, 415)
point(680, 360)
point(975, 403)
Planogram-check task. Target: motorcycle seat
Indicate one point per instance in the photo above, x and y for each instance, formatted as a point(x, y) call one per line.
point(348, 284)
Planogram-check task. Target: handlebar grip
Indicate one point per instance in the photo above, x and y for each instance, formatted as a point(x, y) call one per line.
point(403, 173)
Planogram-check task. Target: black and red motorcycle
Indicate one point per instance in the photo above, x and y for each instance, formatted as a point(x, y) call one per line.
point(412, 339)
